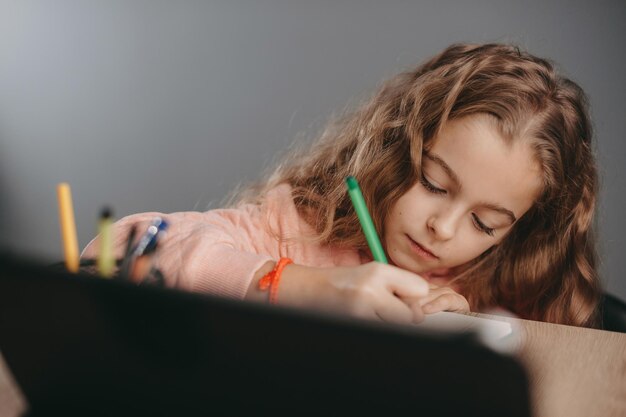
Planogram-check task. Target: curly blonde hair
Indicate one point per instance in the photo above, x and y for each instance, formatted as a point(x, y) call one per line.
point(545, 268)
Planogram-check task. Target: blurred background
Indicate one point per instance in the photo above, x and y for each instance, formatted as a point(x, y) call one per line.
point(148, 105)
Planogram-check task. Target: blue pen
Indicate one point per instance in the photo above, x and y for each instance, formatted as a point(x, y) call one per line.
point(149, 238)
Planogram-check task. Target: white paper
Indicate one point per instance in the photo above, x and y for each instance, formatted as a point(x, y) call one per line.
point(498, 335)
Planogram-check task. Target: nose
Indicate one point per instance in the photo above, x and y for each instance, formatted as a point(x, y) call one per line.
point(444, 223)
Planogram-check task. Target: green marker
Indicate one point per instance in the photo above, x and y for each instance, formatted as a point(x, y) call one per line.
point(366, 221)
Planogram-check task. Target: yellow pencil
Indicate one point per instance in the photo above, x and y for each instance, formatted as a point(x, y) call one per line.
point(68, 227)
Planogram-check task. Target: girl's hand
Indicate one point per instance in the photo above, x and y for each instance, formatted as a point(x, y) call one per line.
point(373, 290)
point(441, 299)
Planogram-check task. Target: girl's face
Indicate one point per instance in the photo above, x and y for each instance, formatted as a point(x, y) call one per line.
point(474, 187)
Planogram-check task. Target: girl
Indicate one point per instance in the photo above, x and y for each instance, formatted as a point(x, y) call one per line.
point(478, 169)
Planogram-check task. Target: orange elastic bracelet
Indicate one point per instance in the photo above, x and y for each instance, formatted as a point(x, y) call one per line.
point(272, 279)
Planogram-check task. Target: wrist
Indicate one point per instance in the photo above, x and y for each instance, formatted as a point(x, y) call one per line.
point(300, 286)
point(254, 293)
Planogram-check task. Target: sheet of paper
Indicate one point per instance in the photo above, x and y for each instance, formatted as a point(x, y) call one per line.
point(501, 336)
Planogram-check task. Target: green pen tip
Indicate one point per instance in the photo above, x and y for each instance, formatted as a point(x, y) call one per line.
point(352, 184)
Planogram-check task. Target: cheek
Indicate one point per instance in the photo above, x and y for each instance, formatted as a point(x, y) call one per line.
point(471, 245)
point(404, 213)
point(414, 202)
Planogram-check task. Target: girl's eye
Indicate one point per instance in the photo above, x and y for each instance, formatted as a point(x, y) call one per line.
point(431, 187)
point(481, 226)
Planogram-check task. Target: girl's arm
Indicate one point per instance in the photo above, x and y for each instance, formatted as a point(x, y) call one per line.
point(207, 252)
point(201, 252)
point(373, 291)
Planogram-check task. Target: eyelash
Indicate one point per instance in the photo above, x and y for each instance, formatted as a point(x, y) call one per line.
point(431, 187)
point(478, 224)
point(482, 227)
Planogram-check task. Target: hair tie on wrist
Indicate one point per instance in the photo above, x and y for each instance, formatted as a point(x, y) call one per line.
point(271, 280)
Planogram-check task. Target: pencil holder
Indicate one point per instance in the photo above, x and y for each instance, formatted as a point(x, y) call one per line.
point(88, 267)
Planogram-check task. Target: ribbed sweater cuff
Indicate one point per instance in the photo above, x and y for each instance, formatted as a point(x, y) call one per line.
point(232, 277)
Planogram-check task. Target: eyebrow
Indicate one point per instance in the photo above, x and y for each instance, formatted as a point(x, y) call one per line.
point(436, 159)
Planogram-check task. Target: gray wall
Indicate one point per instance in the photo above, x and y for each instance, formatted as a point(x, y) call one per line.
point(154, 105)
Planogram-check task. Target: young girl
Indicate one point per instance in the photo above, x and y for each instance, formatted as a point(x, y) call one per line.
point(478, 169)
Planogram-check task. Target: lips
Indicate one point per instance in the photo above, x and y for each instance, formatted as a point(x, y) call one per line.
point(421, 250)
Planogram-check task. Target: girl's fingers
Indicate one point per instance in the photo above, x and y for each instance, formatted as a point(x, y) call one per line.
point(415, 305)
point(434, 293)
point(397, 281)
point(438, 299)
point(408, 285)
point(418, 313)
point(446, 302)
point(393, 309)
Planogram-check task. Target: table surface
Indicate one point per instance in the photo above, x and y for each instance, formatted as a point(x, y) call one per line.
point(572, 371)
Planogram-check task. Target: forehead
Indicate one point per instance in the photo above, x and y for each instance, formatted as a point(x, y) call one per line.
point(490, 168)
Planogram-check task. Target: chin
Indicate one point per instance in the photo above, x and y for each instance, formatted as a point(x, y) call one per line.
point(408, 264)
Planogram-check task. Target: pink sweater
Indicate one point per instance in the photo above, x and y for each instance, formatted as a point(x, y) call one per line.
point(219, 251)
